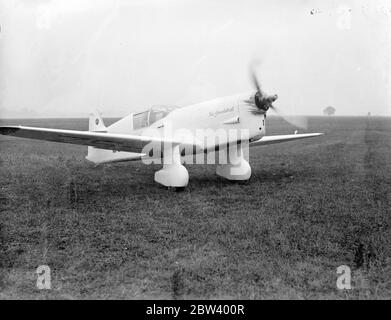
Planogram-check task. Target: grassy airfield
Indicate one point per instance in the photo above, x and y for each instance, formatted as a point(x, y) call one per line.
point(112, 232)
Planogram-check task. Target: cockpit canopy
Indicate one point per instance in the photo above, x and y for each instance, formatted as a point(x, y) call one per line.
point(146, 118)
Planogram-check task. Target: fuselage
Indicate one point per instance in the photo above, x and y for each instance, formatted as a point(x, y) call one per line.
point(209, 125)
point(231, 114)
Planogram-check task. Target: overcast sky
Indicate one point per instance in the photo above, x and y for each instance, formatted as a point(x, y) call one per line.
point(67, 57)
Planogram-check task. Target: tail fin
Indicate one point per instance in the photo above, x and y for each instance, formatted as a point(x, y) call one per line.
point(96, 123)
point(100, 156)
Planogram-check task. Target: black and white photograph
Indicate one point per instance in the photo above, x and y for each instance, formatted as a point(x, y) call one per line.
point(181, 150)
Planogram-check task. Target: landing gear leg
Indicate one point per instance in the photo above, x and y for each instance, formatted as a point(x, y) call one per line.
point(237, 167)
point(173, 174)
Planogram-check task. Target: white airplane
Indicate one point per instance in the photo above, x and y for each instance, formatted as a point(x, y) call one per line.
point(173, 135)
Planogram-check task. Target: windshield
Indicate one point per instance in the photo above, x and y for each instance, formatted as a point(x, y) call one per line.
point(146, 118)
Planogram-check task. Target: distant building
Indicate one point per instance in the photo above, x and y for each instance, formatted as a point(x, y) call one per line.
point(329, 111)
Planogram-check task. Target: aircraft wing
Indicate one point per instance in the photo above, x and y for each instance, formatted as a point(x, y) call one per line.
point(110, 141)
point(282, 138)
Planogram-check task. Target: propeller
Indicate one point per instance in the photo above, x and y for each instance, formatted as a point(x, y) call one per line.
point(297, 121)
point(264, 102)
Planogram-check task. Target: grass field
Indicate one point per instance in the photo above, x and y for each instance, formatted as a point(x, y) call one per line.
point(112, 232)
